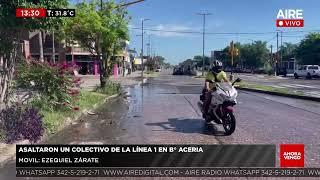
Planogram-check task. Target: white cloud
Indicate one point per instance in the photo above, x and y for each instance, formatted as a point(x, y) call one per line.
point(166, 30)
point(169, 30)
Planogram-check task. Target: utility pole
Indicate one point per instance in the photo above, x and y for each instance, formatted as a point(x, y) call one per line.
point(142, 22)
point(271, 57)
point(203, 39)
point(232, 53)
point(281, 49)
point(277, 57)
point(272, 61)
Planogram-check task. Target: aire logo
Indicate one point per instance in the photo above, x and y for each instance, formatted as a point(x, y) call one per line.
point(291, 155)
point(290, 18)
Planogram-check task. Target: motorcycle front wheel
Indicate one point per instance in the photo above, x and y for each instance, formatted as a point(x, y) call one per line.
point(229, 123)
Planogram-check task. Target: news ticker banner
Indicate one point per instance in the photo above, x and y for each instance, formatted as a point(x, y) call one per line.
point(145, 156)
point(167, 172)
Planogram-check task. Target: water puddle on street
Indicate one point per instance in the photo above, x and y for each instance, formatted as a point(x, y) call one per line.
point(107, 124)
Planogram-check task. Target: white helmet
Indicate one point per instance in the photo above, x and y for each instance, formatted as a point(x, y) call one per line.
point(217, 64)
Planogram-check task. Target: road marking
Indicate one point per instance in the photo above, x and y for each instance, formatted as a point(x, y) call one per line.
point(278, 100)
point(305, 86)
point(313, 93)
point(278, 86)
point(287, 85)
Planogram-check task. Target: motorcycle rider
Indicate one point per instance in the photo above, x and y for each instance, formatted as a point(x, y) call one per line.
point(216, 74)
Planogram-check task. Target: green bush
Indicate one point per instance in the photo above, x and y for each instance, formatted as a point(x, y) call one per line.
point(268, 69)
point(2, 134)
point(111, 88)
point(18, 122)
point(54, 120)
point(55, 85)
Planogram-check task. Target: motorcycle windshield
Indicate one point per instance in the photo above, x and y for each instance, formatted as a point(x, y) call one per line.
point(227, 88)
point(224, 86)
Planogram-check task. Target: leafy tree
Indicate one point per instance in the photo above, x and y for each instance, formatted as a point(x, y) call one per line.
point(12, 30)
point(288, 50)
point(225, 57)
point(254, 55)
point(199, 60)
point(187, 62)
point(166, 65)
point(101, 32)
point(151, 64)
point(159, 60)
point(308, 52)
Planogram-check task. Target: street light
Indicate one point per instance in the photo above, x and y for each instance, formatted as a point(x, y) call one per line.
point(142, 22)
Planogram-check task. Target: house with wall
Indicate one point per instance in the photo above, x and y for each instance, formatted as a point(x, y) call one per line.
point(72, 54)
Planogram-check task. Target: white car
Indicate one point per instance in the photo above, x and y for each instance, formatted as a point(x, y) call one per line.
point(158, 70)
point(307, 71)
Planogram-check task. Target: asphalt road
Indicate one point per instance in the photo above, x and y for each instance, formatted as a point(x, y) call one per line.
point(308, 87)
point(164, 111)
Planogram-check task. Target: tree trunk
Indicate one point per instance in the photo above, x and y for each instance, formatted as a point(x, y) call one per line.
point(124, 66)
point(104, 74)
point(10, 50)
point(62, 53)
point(41, 59)
point(103, 78)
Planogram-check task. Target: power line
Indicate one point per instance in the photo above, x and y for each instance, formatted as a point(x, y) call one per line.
point(223, 33)
point(269, 40)
point(173, 31)
point(295, 36)
point(302, 31)
point(241, 33)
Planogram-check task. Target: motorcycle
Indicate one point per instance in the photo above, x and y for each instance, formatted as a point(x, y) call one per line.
point(221, 108)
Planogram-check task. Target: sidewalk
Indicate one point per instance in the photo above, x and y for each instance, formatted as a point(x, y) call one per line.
point(92, 81)
point(128, 80)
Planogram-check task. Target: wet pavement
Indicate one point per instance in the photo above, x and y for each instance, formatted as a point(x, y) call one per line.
point(164, 111)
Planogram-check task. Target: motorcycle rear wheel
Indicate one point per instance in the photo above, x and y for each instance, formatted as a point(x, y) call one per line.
point(229, 123)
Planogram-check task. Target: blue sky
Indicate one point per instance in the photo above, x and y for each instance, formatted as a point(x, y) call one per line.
point(227, 16)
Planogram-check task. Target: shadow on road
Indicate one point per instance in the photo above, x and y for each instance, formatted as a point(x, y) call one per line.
point(187, 126)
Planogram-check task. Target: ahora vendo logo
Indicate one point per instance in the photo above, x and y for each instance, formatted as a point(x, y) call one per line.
point(291, 155)
point(290, 18)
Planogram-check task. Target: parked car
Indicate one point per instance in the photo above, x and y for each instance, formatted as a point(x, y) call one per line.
point(282, 71)
point(177, 71)
point(308, 71)
point(259, 71)
point(158, 70)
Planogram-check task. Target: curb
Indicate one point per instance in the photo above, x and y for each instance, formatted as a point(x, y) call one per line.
point(45, 137)
point(144, 81)
point(317, 99)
